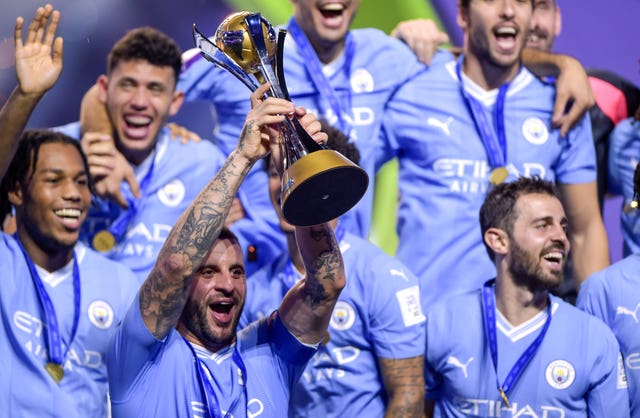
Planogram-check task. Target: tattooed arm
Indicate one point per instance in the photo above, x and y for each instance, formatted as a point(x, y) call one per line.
point(404, 383)
point(307, 307)
point(164, 294)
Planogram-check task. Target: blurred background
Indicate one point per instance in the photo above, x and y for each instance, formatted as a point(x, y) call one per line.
point(601, 34)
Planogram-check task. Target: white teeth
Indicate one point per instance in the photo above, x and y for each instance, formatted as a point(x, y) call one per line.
point(137, 120)
point(554, 256)
point(68, 213)
point(506, 31)
point(333, 7)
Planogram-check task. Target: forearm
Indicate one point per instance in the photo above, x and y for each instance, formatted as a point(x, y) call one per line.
point(544, 64)
point(307, 308)
point(14, 116)
point(165, 291)
point(404, 384)
point(93, 113)
point(590, 250)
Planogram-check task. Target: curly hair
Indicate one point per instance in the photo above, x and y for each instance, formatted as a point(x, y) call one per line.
point(26, 159)
point(146, 44)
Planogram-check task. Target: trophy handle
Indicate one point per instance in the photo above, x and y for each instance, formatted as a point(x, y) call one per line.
point(212, 54)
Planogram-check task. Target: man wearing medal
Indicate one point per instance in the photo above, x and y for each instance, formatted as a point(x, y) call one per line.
point(371, 363)
point(145, 179)
point(473, 122)
point(511, 348)
point(57, 310)
point(177, 352)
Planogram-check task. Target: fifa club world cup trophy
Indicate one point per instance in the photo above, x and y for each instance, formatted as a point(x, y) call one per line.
point(318, 184)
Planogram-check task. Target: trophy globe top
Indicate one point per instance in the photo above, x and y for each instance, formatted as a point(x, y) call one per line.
point(235, 40)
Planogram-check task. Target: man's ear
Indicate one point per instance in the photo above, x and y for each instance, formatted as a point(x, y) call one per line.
point(558, 21)
point(103, 85)
point(462, 17)
point(497, 240)
point(176, 102)
point(16, 196)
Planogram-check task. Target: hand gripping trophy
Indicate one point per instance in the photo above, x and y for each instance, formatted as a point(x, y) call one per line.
point(318, 184)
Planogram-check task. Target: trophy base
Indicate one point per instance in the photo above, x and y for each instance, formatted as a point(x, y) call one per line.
point(320, 187)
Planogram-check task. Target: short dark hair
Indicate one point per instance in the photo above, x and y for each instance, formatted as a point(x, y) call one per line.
point(26, 158)
point(498, 209)
point(146, 44)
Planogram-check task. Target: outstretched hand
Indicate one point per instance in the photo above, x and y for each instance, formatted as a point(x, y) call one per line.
point(422, 36)
point(574, 96)
point(39, 56)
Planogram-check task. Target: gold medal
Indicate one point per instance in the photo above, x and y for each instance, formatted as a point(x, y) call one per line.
point(504, 398)
point(55, 371)
point(498, 175)
point(103, 241)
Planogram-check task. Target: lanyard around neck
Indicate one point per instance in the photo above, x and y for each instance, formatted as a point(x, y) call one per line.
point(54, 340)
point(493, 135)
point(314, 68)
point(489, 314)
point(206, 385)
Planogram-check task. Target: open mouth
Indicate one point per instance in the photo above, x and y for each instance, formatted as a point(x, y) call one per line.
point(330, 10)
point(137, 127)
point(554, 257)
point(69, 216)
point(222, 311)
point(506, 37)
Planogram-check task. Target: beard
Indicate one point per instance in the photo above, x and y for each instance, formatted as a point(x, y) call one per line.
point(527, 271)
point(195, 318)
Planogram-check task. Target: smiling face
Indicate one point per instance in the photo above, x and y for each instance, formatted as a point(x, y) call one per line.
point(139, 97)
point(495, 32)
point(325, 23)
point(52, 204)
point(545, 25)
point(538, 244)
point(216, 299)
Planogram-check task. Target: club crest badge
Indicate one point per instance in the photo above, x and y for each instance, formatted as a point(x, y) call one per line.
point(343, 316)
point(535, 131)
point(361, 81)
point(100, 314)
point(172, 193)
point(560, 374)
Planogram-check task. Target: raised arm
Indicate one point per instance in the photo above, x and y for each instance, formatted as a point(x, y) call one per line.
point(164, 293)
point(589, 245)
point(573, 91)
point(38, 66)
point(307, 307)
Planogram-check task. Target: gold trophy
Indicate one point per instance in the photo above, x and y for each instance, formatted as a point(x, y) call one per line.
point(318, 184)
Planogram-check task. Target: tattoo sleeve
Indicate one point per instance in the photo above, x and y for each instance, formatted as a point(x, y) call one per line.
point(404, 383)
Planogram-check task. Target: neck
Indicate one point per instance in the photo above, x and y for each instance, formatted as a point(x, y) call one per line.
point(294, 252)
point(192, 338)
point(328, 52)
point(518, 303)
point(485, 74)
point(49, 259)
point(136, 157)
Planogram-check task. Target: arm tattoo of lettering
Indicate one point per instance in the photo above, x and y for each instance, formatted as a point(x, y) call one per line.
point(404, 384)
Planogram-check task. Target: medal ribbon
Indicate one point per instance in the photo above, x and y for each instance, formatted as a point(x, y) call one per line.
point(489, 313)
point(120, 224)
point(54, 340)
point(496, 146)
point(314, 68)
point(206, 386)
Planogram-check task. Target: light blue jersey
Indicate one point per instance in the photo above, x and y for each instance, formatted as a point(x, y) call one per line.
point(151, 378)
point(26, 389)
point(576, 371)
point(377, 316)
point(613, 295)
point(624, 154)
point(444, 169)
point(379, 66)
point(180, 171)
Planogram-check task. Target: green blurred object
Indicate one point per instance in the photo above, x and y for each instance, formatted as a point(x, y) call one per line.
point(384, 15)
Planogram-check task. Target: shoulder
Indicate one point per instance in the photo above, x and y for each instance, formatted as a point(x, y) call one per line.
point(71, 129)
